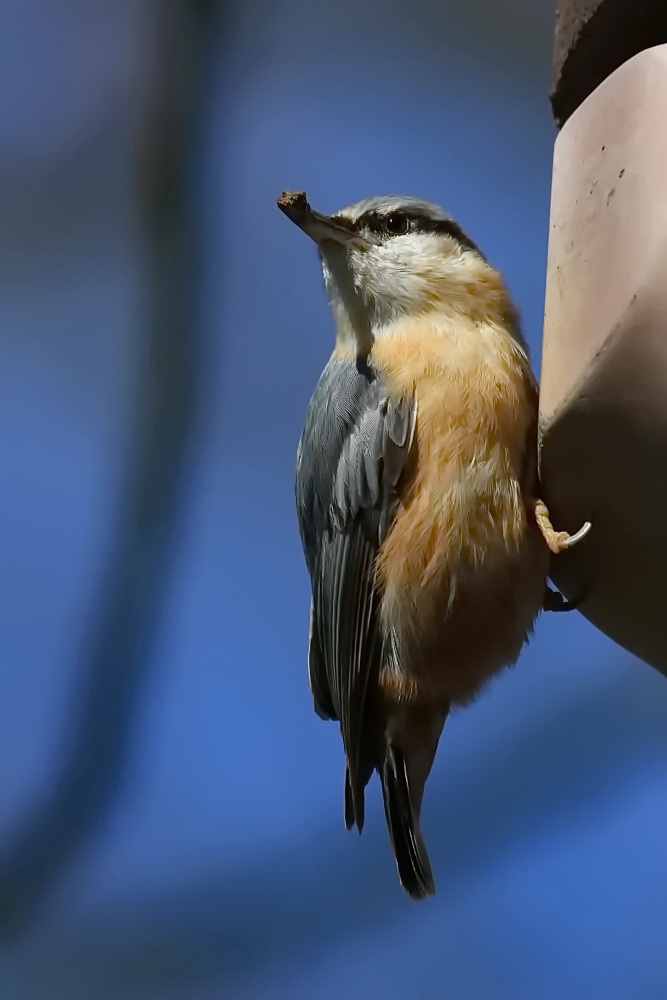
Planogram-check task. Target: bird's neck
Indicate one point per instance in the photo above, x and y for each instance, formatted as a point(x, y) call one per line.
point(457, 321)
point(470, 294)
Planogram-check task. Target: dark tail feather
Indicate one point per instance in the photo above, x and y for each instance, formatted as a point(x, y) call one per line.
point(350, 810)
point(414, 869)
point(354, 800)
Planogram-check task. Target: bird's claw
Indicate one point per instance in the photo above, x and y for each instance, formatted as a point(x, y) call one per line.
point(567, 541)
point(558, 541)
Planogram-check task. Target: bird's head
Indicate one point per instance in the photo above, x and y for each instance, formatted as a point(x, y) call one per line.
point(388, 257)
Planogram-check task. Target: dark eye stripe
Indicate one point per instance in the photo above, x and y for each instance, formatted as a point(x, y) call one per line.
point(451, 228)
point(376, 222)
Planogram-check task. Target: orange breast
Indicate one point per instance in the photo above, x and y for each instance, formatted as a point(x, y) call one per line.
point(463, 568)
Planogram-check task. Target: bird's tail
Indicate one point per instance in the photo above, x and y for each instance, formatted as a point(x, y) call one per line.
point(409, 745)
point(354, 804)
point(414, 867)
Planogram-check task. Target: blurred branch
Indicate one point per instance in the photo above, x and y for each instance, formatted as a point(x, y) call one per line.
point(135, 582)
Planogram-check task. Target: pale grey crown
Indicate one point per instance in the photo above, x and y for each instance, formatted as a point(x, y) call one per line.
point(385, 204)
point(395, 215)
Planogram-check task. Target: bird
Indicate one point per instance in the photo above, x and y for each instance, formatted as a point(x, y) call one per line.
point(417, 493)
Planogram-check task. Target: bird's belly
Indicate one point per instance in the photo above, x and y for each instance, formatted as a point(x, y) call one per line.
point(458, 616)
point(463, 569)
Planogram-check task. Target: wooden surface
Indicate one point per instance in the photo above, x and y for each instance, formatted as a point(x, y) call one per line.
point(604, 367)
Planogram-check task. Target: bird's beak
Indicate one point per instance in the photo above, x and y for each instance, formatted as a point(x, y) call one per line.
point(320, 228)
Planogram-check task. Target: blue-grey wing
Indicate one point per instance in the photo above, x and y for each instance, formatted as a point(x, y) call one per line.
point(353, 452)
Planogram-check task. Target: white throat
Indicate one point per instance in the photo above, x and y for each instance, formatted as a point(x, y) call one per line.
point(373, 288)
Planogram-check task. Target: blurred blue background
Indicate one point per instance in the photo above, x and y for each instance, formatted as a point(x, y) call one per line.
point(170, 807)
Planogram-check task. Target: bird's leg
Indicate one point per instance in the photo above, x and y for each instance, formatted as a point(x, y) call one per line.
point(558, 541)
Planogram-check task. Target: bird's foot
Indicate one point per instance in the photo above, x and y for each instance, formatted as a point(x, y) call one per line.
point(558, 541)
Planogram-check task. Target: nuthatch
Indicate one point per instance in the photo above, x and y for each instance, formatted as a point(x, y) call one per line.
point(417, 496)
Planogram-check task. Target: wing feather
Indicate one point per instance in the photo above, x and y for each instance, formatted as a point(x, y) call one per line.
point(352, 455)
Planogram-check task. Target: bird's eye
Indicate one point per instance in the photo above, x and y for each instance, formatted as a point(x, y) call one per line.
point(397, 224)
